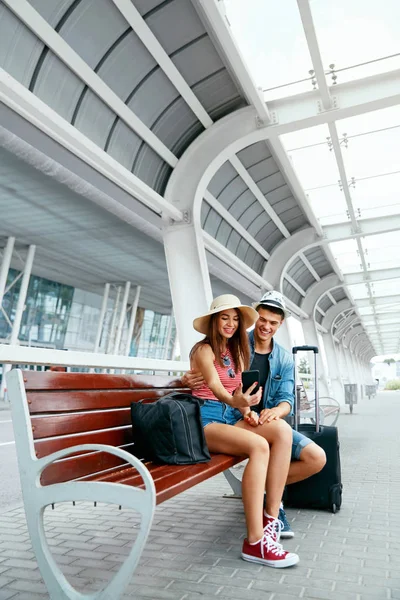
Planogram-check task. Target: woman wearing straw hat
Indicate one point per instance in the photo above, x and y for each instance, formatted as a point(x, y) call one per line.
point(221, 357)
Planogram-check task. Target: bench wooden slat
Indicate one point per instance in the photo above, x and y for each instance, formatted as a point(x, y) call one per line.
point(36, 380)
point(111, 437)
point(71, 401)
point(81, 465)
point(170, 480)
point(59, 425)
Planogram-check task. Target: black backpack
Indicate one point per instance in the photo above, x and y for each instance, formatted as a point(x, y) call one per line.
point(169, 430)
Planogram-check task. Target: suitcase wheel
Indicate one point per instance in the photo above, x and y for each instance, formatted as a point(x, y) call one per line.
point(334, 508)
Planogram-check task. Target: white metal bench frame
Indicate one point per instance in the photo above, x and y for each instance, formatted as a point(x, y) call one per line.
point(36, 497)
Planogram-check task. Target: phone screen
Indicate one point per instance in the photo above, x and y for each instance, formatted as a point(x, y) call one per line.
point(248, 378)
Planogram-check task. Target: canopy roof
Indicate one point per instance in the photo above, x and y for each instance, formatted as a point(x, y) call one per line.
point(103, 97)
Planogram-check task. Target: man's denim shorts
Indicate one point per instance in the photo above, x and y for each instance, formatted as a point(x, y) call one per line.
point(299, 442)
point(213, 411)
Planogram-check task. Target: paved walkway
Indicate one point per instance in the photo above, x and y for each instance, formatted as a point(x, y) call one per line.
point(193, 551)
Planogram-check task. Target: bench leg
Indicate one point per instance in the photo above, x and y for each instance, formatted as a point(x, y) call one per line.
point(235, 484)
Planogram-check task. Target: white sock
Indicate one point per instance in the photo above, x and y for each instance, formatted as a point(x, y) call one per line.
point(267, 515)
point(255, 543)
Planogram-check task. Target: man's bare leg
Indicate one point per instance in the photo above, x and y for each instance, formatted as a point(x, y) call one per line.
point(311, 460)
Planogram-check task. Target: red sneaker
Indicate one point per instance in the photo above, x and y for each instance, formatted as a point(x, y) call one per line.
point(268, 552)
point(272, 526)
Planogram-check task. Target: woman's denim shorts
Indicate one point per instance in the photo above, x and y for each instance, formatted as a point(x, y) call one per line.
point(214, 411)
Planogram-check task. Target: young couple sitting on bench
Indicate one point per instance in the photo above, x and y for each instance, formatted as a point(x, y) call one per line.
point(251, 424)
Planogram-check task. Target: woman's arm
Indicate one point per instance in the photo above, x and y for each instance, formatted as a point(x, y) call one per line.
point(203, 361)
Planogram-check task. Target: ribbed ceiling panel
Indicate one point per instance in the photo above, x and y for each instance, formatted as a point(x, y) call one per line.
point(290, 292)
point(301, 274)
point(325, 303)
point(339, 294)
point(317, 258)
point(220, 230)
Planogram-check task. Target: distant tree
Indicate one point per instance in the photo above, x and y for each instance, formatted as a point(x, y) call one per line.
point(389, 361)
point(304, 367)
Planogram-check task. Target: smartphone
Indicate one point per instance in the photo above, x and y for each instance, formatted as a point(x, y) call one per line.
point(248, 378)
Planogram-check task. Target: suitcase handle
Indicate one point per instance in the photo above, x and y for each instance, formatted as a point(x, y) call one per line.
point(313, 349)
point(296, 349)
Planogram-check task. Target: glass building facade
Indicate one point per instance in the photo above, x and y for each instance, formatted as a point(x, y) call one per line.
point(62, 317)
point(46, 314)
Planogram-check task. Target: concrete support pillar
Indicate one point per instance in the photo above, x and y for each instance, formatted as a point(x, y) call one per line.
point(5, 266)
point(334, 369)
point(188, 278)
point(311, 339)
point(122, 316)
point(19, 310)
point(101, 317)
point(132, 320)
point(283, 336)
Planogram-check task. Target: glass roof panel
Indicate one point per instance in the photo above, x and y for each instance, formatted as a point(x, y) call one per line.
point(359, 290)
point(328, 204)
point(314, 163)
point(385, 288)
point(275, 55)
point(376, 197)
point(360, 31)
point(371, 122)
point(346, 255)
point(382, 251)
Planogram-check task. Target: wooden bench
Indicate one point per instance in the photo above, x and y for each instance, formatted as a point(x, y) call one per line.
point(74, 441)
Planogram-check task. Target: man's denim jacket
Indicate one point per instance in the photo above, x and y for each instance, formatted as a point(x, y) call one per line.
point(280, 383)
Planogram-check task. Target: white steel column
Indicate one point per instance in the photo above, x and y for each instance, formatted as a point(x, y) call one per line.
point(19, 310)
point(132, 320)
point(168, 336)
point(5, 266)
point(22, 296)
point(334, 371)
point(188, 278)
point(122, 316)
point(113, 321)
point(311, 339)
point(101, 317)
point(283, 336)
point(350, 366)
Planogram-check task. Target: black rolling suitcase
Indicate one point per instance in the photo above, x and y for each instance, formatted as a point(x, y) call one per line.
point(324, 489)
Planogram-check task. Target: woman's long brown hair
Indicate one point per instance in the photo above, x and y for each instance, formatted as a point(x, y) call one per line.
point(238, 344)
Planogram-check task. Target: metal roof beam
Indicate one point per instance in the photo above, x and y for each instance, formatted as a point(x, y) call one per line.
point(364, 227)
point(313, 47)
point(379, 301)
point(376, 275)
point(350, 99)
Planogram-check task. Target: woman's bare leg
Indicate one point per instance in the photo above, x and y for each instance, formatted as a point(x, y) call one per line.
point(227, 439)
point(279, 437)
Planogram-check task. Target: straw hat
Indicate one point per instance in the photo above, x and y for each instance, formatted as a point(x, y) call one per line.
point(226, 302)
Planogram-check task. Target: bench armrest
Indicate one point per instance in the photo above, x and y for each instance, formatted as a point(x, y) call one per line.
point(141, 500)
